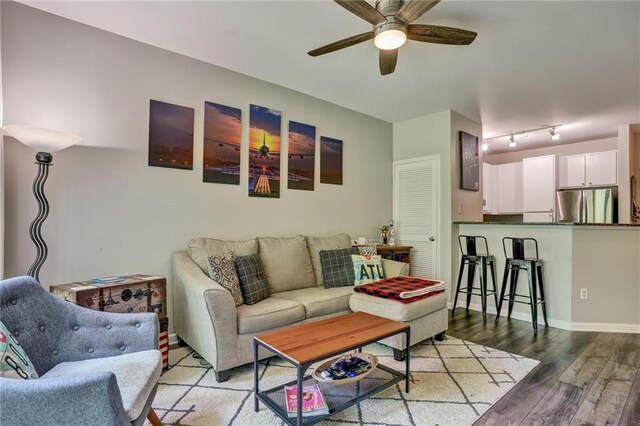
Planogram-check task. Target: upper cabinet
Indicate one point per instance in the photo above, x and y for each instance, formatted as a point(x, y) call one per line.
point(539, 184)
point(585, 170)
point(602, 168)
point(489, 188)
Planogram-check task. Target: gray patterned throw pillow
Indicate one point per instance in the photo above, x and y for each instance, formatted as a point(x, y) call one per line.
point(337, 267)
point(222, 269)
point(253, 280)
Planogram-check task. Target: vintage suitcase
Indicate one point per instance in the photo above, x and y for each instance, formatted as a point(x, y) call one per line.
point(164, 342)
point(135, 293)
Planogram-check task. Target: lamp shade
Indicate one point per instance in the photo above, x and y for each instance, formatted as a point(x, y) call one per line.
point(42, 140)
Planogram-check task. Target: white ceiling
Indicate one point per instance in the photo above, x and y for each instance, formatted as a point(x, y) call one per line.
point(533, 63)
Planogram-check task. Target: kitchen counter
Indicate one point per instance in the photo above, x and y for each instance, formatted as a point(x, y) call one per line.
point(602, 258)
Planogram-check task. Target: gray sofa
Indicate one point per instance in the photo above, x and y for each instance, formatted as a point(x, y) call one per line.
point(207, 319)
point(93, 367)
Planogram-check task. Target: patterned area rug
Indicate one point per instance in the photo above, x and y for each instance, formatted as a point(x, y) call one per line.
point(454, 383)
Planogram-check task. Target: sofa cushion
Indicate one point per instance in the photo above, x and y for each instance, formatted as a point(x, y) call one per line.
point(201, 248)
point(253, 281)
point(337, 267)
point(287, 263)
point(319, 301)
point(395, 310)
point(222, 269)
point(317, 244)
point(268, 314)
point(137, 374)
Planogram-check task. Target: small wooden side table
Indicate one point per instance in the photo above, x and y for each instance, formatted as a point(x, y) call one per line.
point(397, 253)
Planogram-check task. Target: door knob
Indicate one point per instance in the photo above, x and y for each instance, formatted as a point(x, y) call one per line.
point(432, 238)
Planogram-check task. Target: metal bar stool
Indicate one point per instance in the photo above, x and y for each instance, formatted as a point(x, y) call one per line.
point(475, 252)
point(522, 258)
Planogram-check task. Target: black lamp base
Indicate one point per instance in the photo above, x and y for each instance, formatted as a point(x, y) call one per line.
point(35, 230)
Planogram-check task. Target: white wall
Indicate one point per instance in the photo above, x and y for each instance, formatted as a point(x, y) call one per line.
point(110, 212)
point(560, 150)
point(437, 134)
point(426, 136)
point(465, 205)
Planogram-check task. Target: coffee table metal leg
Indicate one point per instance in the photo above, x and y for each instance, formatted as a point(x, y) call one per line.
point(255, 376)
point(407, 369)
point(301, 369)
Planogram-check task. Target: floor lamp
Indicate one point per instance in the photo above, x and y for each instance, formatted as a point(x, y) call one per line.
point(44, 142)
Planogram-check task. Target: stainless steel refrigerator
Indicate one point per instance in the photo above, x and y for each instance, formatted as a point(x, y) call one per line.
point(598, 205)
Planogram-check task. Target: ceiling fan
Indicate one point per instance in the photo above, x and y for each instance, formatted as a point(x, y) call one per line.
point(391, 20)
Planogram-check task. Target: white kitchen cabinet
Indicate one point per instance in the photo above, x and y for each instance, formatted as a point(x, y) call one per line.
point(594, 169)
point(509, 188)
point(489, 188)
point(571, 171)
point(537, 217)
point(539, 184)
point(602, 168)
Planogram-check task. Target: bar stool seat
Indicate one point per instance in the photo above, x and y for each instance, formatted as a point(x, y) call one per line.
point(475, 253)
point(533, 265)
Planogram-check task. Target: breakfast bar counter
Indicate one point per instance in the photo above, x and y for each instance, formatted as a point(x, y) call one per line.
point(604, 259)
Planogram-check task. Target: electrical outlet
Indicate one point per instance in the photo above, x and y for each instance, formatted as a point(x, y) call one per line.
point(584, 293)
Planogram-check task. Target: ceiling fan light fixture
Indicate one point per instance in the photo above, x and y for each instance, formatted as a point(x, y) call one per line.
point(390, 35)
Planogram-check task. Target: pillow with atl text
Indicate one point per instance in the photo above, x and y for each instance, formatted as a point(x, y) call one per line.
point(367, 269)
point(14, 362)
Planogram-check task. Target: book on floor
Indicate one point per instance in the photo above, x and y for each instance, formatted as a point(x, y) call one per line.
point(313, 403)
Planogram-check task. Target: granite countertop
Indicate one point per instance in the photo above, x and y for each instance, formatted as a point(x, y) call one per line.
point(550, 224)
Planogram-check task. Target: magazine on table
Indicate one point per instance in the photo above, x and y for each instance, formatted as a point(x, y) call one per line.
point(313, 403)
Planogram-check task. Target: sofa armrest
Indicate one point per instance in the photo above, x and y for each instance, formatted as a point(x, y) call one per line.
point(205, 313)
point(393, 268)
point(80, 400)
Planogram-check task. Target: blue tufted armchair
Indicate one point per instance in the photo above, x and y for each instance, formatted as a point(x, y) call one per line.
point(95, 368)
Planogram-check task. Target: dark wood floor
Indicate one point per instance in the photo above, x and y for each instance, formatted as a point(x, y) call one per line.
point(583, 377)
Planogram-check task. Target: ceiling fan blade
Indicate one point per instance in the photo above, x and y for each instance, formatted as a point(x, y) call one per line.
point(363, 10)
point(440, 35)
point(341, 44)
point(388, 59)
point(413, 9)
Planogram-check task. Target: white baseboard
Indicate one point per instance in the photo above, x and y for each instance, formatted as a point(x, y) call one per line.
point(565, 325)
point(606, 327)
point(173, 339)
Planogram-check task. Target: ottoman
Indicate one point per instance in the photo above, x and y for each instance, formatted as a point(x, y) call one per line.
point(427, 317)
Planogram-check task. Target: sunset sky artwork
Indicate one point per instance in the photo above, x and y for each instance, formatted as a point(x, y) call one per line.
point(222, 138)
point(264, 152)
point(301, 153)
point(170, 135)
point(330, 160)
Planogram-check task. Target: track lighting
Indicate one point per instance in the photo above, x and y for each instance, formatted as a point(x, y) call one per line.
point(523, 133)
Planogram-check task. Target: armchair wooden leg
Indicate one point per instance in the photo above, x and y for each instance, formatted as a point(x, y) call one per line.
point(153, 418)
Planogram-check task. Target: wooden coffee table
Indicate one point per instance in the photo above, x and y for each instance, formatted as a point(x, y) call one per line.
point(305, 344)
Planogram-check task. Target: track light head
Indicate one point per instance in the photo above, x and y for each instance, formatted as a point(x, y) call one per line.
point(485, 145)
point(554, 135)
point(512, 142)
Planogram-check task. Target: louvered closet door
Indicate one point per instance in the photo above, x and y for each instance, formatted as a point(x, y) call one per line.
point(415, 212)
